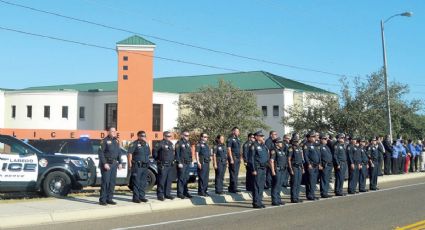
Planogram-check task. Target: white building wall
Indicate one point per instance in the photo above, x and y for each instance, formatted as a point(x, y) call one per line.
point(98, 110)
point(39, 99)
point(170, 108)
point(2, 112)
point(288, 101)
point(270, 98)
point(86, 100)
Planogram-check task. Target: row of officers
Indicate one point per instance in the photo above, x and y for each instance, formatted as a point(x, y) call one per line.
point(287, 161)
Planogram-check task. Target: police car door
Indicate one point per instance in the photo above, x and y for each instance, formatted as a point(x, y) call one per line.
point(19, 169)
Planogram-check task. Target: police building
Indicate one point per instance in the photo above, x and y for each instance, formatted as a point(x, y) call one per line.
point(137, 100)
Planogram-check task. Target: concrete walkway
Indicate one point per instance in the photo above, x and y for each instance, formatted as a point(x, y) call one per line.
point(45, 211)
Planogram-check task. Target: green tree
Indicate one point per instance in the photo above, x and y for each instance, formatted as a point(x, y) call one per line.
point(215, 110)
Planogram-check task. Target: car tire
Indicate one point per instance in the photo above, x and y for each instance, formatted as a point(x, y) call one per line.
point(56, 184)
point(150, 180)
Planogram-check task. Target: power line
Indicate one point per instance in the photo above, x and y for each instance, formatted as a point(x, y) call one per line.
point(176, 42)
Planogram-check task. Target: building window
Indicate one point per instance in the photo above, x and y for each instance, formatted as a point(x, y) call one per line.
point(13, 111)
point(275, 110)
point(110, 115)
point(82, 112)
point(64, 111)
point(125, 58)
point(264, 109)
point(125, 67)
point(29, 111)
point(125, 77)
point(47, 111)
point(157, 117)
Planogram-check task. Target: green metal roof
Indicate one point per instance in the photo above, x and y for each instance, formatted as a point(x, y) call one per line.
point(255, 80)
point(135, 40)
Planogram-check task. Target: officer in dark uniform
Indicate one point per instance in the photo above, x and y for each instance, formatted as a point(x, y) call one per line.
point(259, 162)
point(109, 161)
point(234, 152)
point(165, 156)
point(354, 153)
point(184, 159)
point(326, 163)
point(340, 164)
point(365, 166)
point(374, 155)
point(220, 163)
point(138, 162)
point(270, 145)
point(246, 157)
point(313, 164)
point(203, 157)
point(296, 169)
point(279, 168)
point(286, 145)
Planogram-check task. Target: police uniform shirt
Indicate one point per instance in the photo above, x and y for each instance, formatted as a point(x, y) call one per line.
point(296, 155)
point(140, 151)
point(312, 157)
point(259, 155)
point(203, 152)
point(235, 145)
point(280, 157)
point(164, 151)
point(365, 157)
point(245, 148)
point(220, 152)
point(183, 151)
point(325, 154)
point(109, 151)
point(339, 154)
point(373, 152)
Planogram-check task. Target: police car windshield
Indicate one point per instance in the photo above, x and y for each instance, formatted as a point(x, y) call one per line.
point(19, 142)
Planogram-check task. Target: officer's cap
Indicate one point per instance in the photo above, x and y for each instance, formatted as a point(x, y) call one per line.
point(278, 140)
point(361, 139)
point(340, 135)
point(167, 134)
point(141, 134)
point(373, 139)
point(311, 134)
point(259, 133)
point(323, 135)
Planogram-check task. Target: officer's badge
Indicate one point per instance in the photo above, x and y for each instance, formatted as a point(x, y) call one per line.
point(340, 147)
point(312, 147)
point(234, 140)
point(108, 142)
point(324, 148)
point(219, 148)
point(139, 145)
point(202, 145)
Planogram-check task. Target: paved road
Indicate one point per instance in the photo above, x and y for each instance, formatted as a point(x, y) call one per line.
point(396, 204)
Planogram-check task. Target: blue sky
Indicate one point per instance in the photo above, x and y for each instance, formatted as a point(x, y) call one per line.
point(334, 36)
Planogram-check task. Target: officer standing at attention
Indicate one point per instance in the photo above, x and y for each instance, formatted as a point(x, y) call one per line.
point(270, 145)
point(340, 164)
point(365, 166)
point(327, 163)
point(279, 168)
point(234, 152)
point(355, 164)
point(374, 155)
point(138, 162)
point(312, 161)
point(220, 163)
point(203, 158)
point(109, 161)
point(296, 169)
point(164, 155)
point(184, 159)
point(258, 162)
point(246, 157)
point(286, 145)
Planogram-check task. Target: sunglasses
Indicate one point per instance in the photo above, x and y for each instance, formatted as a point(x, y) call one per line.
point(168, 136)
point(186, 135)
point(204, 137)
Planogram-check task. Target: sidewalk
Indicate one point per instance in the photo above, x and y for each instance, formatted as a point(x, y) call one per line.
point(42, 211)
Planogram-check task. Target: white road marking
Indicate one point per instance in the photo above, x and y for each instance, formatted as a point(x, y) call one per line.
point(255, 210)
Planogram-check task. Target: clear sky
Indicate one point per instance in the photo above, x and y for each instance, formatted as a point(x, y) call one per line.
point(331, 35)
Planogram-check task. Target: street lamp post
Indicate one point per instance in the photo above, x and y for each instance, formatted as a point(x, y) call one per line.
point(384, 54)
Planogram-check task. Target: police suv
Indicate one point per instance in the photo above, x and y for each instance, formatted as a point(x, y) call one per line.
point(26, 169)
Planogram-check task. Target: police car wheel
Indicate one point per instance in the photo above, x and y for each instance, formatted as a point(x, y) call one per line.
point(57, 184)
point(150, 180)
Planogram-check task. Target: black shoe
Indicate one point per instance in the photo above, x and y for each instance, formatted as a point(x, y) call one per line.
point(219, 193)
point(136, 201)
point(324, 196)
point(103, 203)
point(317, 198)
point(256, 206)
point(169, 197)
point(340, 194)
point(263, 206)
point(275, 204)
point(266, 188)
point(207, 194)
point(201, 194)
point(238, 191)
point(181, 196)
point(362, 190)
point(310, 198)
point(144, 200)
point(351, 193)
point(111, 202)
point(188, 196)
point(161, 198)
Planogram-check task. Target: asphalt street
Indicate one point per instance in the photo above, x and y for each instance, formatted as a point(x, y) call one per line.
point(396, 204)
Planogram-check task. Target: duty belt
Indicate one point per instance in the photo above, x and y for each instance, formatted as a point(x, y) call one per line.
point(110, 160)
point(297, 165)
point(280, 168)
point(140, 164)
point(166, 163)
point(221, 159)
point(187, 161)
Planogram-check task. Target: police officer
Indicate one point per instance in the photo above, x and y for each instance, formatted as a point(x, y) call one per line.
point(220, 163)
point(279, 169)
point(138, 162)
point(234, 152)
point(203, 158)
point(312, 161)
point(259, 162)
point(374, 155)
point(246, 157)
point(270, 145)
point(326, 163)
point(184, 159)
point(296, 169)
point(354, 153)
point(365, 166)
point(164, 155)
point(286, 145)
point(340, 164)
point(109, 161)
